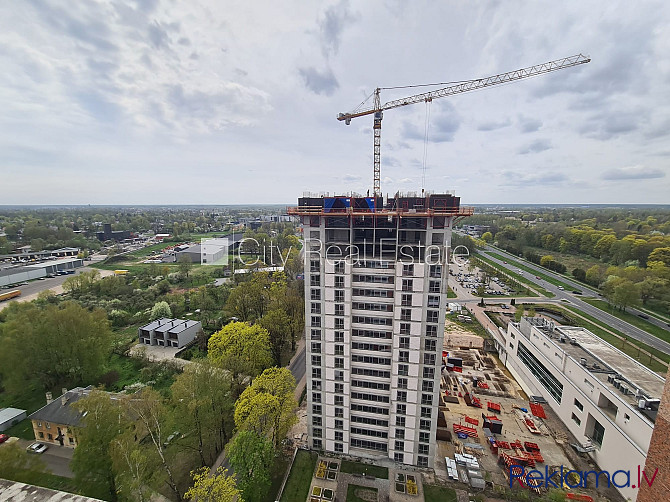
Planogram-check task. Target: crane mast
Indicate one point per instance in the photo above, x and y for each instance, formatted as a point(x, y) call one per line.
point(377, 109)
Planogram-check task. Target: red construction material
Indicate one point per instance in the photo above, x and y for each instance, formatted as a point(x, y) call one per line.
point(495, 407)
point(531, 446)
point(472, 421)
point(503, 444)
point(531, 426)
point(537, 410)
point(470, 431)
point(578, 496)
point(482, 384)
point(516, 444)
point(475, 401)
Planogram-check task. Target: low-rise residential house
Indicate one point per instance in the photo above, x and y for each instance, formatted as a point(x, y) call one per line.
point(169, 332)
point(54, 423)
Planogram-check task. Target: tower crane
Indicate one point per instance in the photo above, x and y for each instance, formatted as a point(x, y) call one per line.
point(377, 109)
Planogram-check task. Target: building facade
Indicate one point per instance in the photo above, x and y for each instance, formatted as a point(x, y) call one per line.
point(166, 332)
point(607, 400)
point(55, 422)
point(375, 298)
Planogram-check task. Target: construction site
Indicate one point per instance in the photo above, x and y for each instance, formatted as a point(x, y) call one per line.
point(486, 424)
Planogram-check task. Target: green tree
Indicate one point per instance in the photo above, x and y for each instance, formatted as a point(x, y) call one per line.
point(18, 465)
point(518, 314)
point(160, 309)
point(546, 260)
point(278, 325)
point(579, 274)
point(251, 456)
point(242, 349)
point(661, 254)
point(268, 405)
point(217, 488)
point(133, 466)
point(53, 344)
point(653, 288)
point(594, 276)
point(487, 237)
point(185, 264)
point(103, 420)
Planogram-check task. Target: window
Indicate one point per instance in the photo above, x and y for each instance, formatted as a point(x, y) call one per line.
point(369, 421)
point(371, 346)
point(316, 421)
point(436, 271)
point(339, 375)
point(434, 287)
point(424, 424)
point(368, 432)
point(338, 424)
point(339, 412)
point(432, 316)
point(401, 409)
point(314, 266)
point(429, 372)
point(339, 267)
point(408, 269)
point(370, 359)
point(369, 409)
point(339, 436)
point(41, 434)
point(316, 308)
point(317, 433)
point(400, 433)
point(316, 348)
point(549, 381)
point(339, 388)
point(403, 356)
point(316, 334)
point(626, 417)
point(429, 359)
point(369, 372)
point(339, 281)
point(339, 323)
point(433, 301)
point(339, 336)
point(399, 457)
point(422, 461)
point(339, 362)
point(339, 295)
point(579, 405)
point(400, 421)
point(315, 280)
point(339, 309)
point(71, 440)
point(370, 385)
point(430, 345)
point(406, 301)
point(426, 399)
point(316, 321)
point(424, 437)
point(404, 328)
point(368, 445)
point(404, 342)
point(316, 360)
point(426, 412)
point(406, 314)
point(598, 432)
point(403, 370)
point(316, 384)
point(339, 448)
point(317, 444)
point(427, 385)
point(399, 445)
point(48, 425)
point(315, 294)
point(316, 397)
point(370, 397)
point(316, 372)
point(576, 419)
point(423, 449)
point(401, 395)
point(339, 350)
point(339, 400)
point(407, 284)
point(431, 331)
point(50, 437)
point(316, 409)
point(402, 383)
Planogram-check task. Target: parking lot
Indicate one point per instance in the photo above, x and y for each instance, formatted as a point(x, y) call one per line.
point(471, 278)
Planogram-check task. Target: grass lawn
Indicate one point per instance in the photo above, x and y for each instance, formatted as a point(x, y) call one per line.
point(521, 281)
point(297, 484)
point(367, 494)
point(277, 476)
point(368, 470)
point(451, 294)
point(474, 326)
point(657, 331)
point(532, 271)
point(435, 493)
point(571, 261)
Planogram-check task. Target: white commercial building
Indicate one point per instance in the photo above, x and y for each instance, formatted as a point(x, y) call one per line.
point(607, 400)
point(375, 298)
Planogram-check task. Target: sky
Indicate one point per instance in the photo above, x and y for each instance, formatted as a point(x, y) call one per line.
point(227, 102)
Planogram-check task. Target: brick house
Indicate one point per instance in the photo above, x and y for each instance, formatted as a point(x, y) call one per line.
point(54, 422)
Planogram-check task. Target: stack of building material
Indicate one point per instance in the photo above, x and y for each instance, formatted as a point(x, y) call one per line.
point(464, 429)
point(494, 407)
point(538, 410)
point(493, 423)
point(452, 471)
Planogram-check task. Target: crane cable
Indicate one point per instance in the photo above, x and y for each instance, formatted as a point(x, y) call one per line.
point(425, 146)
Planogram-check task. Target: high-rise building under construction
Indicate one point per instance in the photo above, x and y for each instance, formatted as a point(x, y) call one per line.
point(375, 295)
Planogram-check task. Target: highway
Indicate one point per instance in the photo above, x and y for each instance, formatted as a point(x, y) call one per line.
point(562, 296)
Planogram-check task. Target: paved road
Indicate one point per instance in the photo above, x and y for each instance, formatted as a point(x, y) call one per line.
point(56, 458)
point(610, 320)
point(297, 365)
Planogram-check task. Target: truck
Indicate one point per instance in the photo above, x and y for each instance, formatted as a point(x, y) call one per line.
point(9, 295)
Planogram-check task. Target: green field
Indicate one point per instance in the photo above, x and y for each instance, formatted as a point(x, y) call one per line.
point(534, 272)
point(435, 493)
point(297, 484)
point(368, 470)
point(657, 331)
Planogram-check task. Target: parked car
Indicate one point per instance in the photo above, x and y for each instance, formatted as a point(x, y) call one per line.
point(643, 316)
point(37, 448)
point(3, 438)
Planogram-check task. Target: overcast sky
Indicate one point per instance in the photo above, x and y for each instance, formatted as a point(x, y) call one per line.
point(224, 102)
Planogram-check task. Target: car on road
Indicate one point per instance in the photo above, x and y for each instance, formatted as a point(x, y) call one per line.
point(576, 292)
point(37, 448)
point(643, 316)
point(561, 288)
point(3, 438)
point(537, 277)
